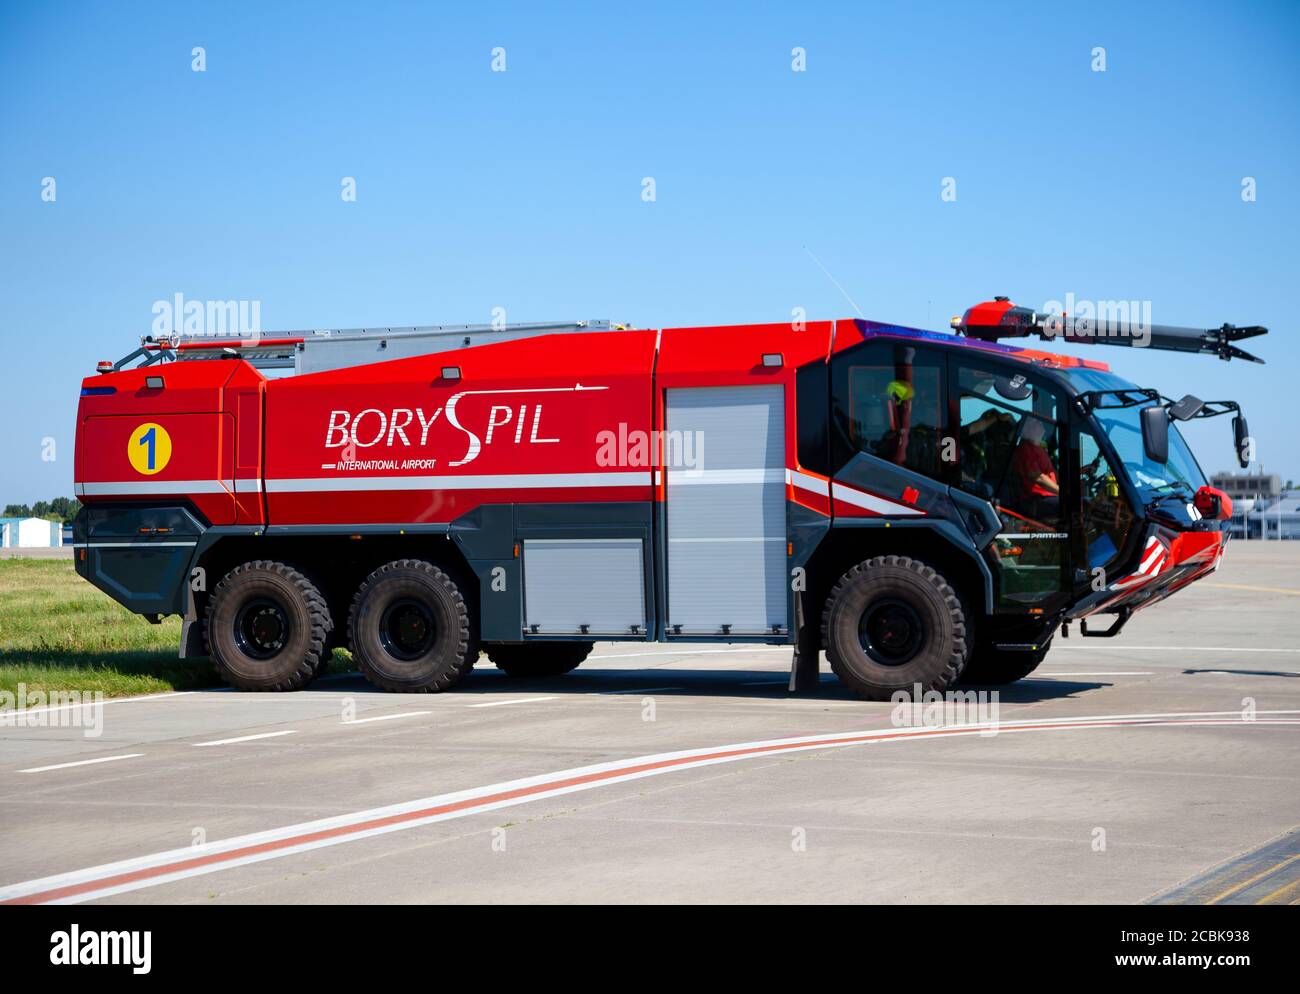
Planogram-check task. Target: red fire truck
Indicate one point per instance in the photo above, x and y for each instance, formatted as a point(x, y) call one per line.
point(924, 506)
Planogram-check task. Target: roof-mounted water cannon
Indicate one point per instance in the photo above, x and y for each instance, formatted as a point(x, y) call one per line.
point(999, 318)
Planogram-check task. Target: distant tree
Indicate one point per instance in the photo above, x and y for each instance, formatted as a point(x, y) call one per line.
point(59, 509)
point(65, 507)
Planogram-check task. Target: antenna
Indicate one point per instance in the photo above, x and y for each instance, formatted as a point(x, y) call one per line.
point(841, 289)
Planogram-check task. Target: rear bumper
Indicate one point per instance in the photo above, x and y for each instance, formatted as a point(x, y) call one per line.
point(140, 556)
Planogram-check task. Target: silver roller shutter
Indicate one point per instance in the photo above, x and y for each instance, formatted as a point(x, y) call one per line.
point(726, 521)
point(569, 583)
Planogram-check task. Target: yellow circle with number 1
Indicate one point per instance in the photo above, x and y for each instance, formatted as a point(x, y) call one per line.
point(149, 448)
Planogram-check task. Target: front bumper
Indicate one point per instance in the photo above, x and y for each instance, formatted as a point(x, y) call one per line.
point(1170, 560)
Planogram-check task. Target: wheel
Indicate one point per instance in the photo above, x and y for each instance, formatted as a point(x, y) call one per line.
point(892, 623)
point(410, 628)
point(266, 627)
point(994, 667)
point(537, 659)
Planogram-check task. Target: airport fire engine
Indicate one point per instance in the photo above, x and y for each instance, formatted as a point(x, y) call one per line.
point(925, 507)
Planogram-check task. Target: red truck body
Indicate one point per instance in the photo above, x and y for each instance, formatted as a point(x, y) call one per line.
point(530, 463)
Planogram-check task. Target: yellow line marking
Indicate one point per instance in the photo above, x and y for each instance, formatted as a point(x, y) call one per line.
point(1246, 586)
point(1273, 898)
point(1255, 879)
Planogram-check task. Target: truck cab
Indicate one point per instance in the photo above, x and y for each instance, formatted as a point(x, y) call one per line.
point(1020, 476)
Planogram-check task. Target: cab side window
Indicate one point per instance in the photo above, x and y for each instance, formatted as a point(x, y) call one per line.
point(1010, 444)
point(889, 403)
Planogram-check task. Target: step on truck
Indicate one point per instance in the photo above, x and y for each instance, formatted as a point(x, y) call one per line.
point(925, 507)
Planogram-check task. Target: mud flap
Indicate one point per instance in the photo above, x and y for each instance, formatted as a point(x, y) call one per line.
point(805, 666)
point(192, 642)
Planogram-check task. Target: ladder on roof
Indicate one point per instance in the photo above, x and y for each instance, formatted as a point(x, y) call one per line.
point(323, 349)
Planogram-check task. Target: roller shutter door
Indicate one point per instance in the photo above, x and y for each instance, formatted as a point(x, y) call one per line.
point(726, 530)
point(571, 583)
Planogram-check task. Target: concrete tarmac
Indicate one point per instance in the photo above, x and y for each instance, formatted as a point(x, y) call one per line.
point(1130, 769)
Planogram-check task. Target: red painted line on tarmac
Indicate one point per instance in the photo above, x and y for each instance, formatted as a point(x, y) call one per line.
point(342, 831)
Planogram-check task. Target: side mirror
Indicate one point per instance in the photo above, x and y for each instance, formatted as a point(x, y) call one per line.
point(1240, 436)
point(1186, 409)
point(1155, 433)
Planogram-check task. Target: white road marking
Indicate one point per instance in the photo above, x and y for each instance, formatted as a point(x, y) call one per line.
point(387, 717)
point(1043, 673)
point(110, 879)
point(244, 738)
point(82, 762)
point(636, 690)
point(522, 700)
point(91, 704)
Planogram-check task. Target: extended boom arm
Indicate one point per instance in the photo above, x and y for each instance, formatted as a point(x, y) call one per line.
point(1000, 318)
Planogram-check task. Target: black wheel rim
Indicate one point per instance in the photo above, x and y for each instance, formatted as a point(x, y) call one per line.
point(261, 628)
point(891, 631)
point(407, 629)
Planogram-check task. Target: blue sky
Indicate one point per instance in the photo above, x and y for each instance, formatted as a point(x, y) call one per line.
point(480, 189)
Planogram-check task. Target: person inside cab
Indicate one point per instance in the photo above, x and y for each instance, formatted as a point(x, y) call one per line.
point(1034, 474)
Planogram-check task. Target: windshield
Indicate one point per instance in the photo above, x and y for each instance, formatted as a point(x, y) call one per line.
point(1122, 425)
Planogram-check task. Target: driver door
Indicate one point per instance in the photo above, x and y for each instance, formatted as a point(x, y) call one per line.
point(1013, 453)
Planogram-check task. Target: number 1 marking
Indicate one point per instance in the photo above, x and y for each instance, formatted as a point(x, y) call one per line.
point(148, 438)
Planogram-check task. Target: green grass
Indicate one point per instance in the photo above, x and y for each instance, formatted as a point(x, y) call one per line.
point(57, 632)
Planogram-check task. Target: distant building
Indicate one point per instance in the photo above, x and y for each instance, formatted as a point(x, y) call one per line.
point(1253, 486)
point(30, 533)
point(1275, 519)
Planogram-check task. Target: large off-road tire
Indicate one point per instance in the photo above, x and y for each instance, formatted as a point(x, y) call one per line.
point(537, 659)
point(995, 667)
point(410, 628)
point(892, 623)
point(266, 626)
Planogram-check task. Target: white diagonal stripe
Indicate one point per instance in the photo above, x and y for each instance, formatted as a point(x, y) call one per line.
point(842, 491)
point(811, 483)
